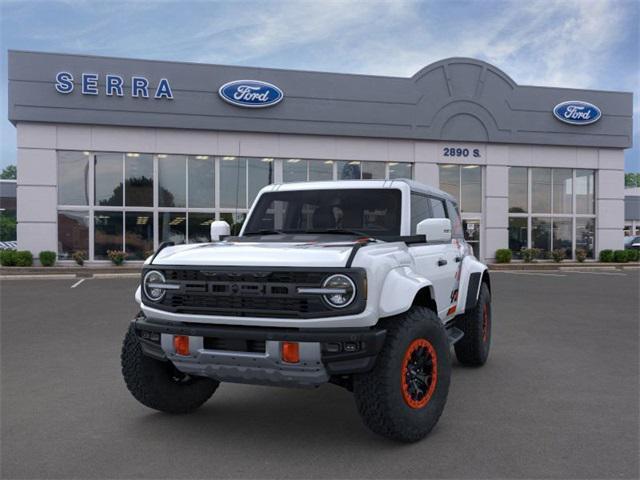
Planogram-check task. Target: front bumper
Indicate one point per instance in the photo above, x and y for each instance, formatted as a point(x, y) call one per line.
point(323, 352)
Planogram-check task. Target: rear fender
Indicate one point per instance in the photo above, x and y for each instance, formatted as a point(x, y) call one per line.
point(399, 290)
point(472, 274)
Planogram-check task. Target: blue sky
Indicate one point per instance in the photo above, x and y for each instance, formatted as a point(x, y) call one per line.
point(569, 43)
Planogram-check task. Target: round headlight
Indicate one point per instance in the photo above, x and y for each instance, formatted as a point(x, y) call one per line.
point(149, 285)
point(344, 291)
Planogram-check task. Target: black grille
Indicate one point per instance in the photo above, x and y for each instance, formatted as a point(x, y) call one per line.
point(254, 293)
point(235, 345)
point(245, 306)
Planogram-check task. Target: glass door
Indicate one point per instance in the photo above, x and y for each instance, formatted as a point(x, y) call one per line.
point(471, 228)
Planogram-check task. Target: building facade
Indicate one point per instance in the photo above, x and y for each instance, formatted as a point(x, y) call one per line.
point(632, 211)
point(123, 154)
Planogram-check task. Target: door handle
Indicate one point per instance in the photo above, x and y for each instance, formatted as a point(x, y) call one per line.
point(458, 259)
point(442, 262)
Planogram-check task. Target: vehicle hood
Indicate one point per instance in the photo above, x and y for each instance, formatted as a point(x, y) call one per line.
point(258, 254)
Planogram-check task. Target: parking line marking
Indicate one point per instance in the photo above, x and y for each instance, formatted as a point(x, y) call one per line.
point(54, 276)
point(531, 273)
point(78, 283)
point(599, 273)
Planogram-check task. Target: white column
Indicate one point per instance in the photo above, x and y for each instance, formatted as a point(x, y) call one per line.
point(36, 194)
point(610, 200)
point(426, 169)
point(496, 210)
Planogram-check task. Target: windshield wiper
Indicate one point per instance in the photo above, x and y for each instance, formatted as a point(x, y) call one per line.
point(341, 231)
point(263, 232)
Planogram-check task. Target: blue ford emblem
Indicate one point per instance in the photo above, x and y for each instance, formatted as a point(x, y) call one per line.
point(576, 112)
point(250, 93)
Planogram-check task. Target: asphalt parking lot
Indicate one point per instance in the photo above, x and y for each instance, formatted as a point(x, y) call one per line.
point(557, 399)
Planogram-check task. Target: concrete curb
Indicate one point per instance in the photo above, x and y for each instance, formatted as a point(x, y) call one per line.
point(75, 272)
point(563, 266)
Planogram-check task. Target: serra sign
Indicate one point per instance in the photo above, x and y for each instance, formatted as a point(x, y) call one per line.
point(113, 85)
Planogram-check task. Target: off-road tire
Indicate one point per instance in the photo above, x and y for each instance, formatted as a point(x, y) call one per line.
point(380, 393)
point(473, 348)
point(157, 384)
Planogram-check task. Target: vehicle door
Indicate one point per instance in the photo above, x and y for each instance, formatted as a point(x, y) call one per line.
point(434, 261)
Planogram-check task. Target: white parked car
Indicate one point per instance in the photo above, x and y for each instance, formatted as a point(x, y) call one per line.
point(364, 284)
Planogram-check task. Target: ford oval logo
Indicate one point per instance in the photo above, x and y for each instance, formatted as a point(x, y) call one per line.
point(250, 93)
point(577, 112)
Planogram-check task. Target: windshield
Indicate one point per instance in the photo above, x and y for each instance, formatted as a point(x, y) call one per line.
point(370, 212)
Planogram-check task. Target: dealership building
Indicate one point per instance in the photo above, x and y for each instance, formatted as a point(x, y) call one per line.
point(123, 154)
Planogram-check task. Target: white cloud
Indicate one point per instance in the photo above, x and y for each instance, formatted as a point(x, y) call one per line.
point(569, 43)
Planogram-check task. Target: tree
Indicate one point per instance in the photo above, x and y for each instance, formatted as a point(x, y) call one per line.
point(7, 227)
point(632, 180)
point(9, 173)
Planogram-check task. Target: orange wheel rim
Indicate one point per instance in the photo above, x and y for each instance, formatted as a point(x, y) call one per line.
point(485, 322)
point(419, 373)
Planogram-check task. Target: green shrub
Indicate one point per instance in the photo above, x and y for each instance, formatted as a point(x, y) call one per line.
point(117, 256)
point(79, 256)
point(47, 258)
point(558, 255)
point(606, 256)
point(24, 258)
point(633, 255)
point(7, 258)
point(620, 256)
point(503, 255)
point(581, 254)
point(528, 254)
point(7, 227)
point(543, 254)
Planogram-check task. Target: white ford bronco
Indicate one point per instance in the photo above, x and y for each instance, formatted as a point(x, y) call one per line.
point(364, 284)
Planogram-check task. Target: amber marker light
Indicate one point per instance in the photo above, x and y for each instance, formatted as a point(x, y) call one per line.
point(181, 344)
point(290, 352)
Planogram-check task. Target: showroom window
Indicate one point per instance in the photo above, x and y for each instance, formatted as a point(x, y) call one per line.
point(172, 181)
point(73, 233)
point(138, 180)
point(463, 182)
point(233, 182)
point(551, 209)
point(298, 170)
point(134, 201)
point(73, 178)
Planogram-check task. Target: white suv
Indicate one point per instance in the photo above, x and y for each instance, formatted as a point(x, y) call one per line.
point(364, 284)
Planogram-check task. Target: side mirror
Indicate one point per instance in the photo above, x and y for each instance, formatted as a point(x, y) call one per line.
point(218, 229)
point(435, 229)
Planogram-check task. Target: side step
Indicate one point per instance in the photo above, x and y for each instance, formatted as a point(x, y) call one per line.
point(455, 334)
